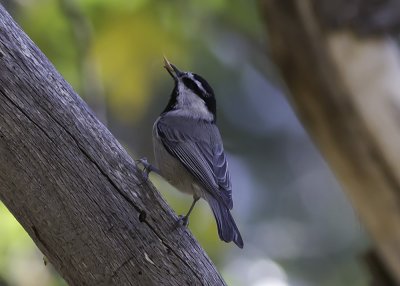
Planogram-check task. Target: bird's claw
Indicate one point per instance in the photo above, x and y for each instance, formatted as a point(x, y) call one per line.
point(183, 220)
point(146, 166)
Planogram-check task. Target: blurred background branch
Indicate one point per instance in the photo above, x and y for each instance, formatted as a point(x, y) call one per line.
point(365, 17)
point(346, 90)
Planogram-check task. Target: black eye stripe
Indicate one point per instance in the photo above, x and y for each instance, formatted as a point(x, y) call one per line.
point(189, 83)
point(207, 94)
point(204, 84)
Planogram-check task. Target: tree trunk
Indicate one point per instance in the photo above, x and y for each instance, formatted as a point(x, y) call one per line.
point(343, 73)
point(75, 190)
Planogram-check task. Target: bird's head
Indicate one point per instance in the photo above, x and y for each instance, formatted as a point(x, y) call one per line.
point(192, 96)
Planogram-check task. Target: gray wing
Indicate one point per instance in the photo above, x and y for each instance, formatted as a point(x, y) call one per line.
point(198, 145)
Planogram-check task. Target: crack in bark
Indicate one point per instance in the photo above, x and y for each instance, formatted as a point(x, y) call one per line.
point(26, 115)
point(115, 272)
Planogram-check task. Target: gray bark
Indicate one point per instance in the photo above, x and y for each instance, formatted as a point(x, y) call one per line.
point(75, 190)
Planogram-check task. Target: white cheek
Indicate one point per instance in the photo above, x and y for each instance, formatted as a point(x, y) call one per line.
point(189, 104)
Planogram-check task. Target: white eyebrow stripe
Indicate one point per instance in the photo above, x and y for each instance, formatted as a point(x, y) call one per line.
point(199, 85)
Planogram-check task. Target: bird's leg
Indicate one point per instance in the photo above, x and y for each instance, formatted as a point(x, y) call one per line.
point(147, 167)
point(184, 220)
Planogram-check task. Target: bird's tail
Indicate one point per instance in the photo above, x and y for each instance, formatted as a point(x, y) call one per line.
point(227, 229)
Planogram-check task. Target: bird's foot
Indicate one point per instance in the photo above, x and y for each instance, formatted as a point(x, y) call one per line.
point(147, 167)
point(183, 220)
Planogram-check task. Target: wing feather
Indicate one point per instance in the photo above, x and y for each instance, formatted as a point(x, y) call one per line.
point(201, 151)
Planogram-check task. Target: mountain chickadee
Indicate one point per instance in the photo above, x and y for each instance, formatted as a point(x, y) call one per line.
point(189, 152)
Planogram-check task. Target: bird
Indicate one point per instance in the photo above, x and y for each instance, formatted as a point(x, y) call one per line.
point(189, 151)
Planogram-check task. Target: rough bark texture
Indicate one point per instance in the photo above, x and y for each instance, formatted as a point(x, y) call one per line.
point(346, 90)
point(75, 190)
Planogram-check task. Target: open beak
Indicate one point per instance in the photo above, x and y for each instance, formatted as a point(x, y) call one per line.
point(171, 69)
